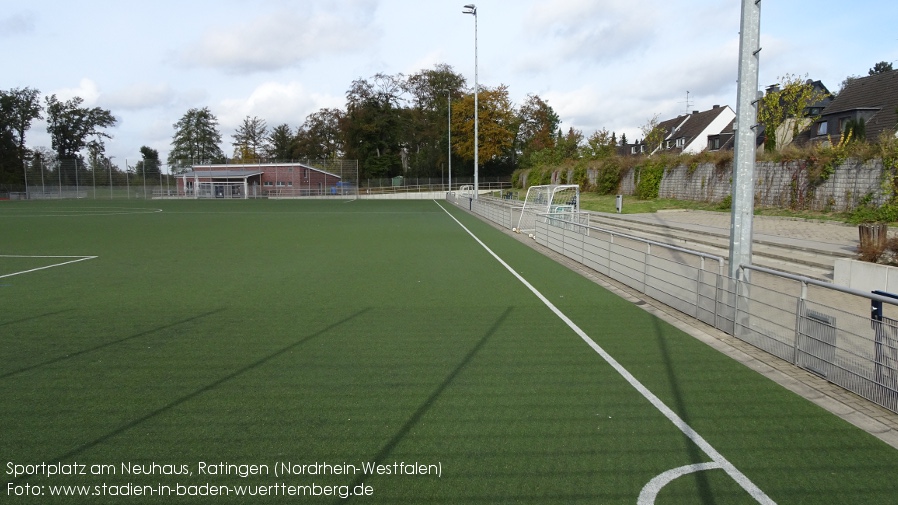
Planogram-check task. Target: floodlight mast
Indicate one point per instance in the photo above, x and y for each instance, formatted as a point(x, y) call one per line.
point(744, 159)
point(472, 9)
point(449, 101)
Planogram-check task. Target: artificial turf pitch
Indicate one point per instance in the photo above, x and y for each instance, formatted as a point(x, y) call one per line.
point(345, 333)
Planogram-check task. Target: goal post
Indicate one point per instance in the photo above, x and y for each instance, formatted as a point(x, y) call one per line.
point(561, 199)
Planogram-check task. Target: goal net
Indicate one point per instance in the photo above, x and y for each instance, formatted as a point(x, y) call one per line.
point(555, 201)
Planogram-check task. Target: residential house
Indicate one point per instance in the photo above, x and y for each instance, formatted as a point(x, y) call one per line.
point(785, 133)
point(869, 101)
point(689, 133)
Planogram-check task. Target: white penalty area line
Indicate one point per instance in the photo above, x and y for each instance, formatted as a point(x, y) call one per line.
point(75, 260)
point(719, 460)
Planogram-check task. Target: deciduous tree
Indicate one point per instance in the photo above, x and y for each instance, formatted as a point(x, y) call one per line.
point(881, 68)
point(321, 136)
point(497, 128)
point(653, 134)
point(72, 126)
point(789, 104)
point(538, 123)
point(149, 164)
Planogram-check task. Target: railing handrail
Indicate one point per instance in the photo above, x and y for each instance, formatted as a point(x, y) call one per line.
point(824, 284)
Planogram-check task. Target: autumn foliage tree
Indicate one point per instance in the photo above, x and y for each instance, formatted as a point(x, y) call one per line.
point(497, 125)
point(783, 112)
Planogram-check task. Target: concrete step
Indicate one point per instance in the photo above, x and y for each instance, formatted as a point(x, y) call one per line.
point(801, 258)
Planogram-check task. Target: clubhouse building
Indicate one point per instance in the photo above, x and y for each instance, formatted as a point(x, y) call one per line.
point(256, 181)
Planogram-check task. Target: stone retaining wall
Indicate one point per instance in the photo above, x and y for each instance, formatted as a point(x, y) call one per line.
point(776, 185)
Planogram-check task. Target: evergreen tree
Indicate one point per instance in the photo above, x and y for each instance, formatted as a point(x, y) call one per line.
point(196, 140)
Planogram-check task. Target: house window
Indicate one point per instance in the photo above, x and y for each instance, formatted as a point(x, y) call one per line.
point(822, 128)
point(714, 144)
point(633, 150)
point(268, 184)
point(681, 142)
point(843, 123)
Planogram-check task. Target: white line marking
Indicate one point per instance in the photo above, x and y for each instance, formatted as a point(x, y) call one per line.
point(76, 260)
point(718, 458)
point(650, 492)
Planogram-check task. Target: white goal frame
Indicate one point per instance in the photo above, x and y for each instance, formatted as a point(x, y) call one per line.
point(560, 199)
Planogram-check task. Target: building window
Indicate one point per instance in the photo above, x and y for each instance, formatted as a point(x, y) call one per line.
point(714, 143)
point(281, 184)
point(822, 128)
point(290, 183)
point(681, 142)
point(306, 174)
point(267, 184)
point(633, 150)
point(843, 124)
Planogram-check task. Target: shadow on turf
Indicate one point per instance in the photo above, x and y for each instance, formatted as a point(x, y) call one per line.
point(32, 318)
point(695, 455)
point(121, 429)
point(416, 416)
point(107, 344)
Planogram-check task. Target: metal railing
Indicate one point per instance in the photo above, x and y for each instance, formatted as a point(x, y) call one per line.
point(829, 330)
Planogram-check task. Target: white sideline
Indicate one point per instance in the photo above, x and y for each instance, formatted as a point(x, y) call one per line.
point(718, 458)
point(76, 260)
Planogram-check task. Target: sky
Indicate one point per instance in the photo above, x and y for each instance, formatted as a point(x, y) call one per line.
point(612, 64)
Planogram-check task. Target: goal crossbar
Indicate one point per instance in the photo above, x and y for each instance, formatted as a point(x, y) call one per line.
point(559, 199)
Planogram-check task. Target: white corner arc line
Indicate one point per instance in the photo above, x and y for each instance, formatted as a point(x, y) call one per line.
point(76, 260)
point(650, 492)
point(687, 430)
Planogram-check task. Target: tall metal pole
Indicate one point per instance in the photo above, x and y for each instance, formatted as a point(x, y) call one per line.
point(25, 171)
point(746, 118)
point(472, 9)
point(449, 101)
point(109, 167)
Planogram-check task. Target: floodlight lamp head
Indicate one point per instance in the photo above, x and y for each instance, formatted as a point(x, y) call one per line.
point(472, 9)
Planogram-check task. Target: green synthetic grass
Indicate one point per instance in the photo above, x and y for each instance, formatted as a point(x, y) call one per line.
point(256, 332)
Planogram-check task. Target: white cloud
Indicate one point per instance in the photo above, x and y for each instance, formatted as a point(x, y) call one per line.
point(17, 24)
point(277, 40)
point(589, 31)
point(87, 89)
point(140, 96)
point(276, 103)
